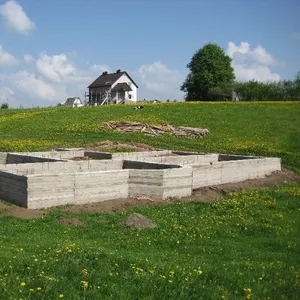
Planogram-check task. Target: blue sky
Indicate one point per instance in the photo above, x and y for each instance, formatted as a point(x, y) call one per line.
point(50, 50)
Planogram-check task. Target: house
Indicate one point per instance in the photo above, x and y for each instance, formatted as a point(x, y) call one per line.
point(112, 88)
point(71, 102)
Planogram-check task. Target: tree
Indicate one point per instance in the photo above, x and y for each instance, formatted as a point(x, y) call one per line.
point(4, 106)
point(210, 73)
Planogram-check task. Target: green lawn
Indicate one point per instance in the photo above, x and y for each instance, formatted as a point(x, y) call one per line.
point(244, 247)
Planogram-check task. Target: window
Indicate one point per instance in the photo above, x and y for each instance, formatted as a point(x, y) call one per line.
point(129, 96)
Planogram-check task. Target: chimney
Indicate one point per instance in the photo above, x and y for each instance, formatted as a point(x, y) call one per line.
point(104, 73)
point(118, 71)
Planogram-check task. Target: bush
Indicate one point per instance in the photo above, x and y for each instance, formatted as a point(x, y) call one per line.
point(4, 106)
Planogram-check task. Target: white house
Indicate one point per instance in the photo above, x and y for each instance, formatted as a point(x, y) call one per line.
point(112, 88)
point(71, 102)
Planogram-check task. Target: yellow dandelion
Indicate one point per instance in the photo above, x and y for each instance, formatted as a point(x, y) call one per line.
point(60, 295)
point(84, 272)
point(84, 284)
point(22, 284)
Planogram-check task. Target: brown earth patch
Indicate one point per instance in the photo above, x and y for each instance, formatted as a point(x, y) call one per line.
point(70, 222)
point(113, 146)
point(206, 194)
point(114, 205)
point(20, 212)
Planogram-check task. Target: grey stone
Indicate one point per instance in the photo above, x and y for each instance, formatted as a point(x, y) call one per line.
point(139, 221)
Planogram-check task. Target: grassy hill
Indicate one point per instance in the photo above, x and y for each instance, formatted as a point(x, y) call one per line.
point(249, 128)
point(243, 247)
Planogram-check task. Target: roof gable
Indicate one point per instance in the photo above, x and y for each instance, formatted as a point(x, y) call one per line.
point(107, 80)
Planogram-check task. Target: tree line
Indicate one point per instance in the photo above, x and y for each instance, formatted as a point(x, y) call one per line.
point(211, 78)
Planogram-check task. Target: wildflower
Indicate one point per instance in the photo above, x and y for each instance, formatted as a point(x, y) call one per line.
point(60, 295)
point(84, 284)
point(39, 289)
point(22, 284)
point(84, 272)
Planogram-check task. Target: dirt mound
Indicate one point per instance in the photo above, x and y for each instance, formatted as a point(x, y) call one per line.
point(113, 146)
point(70, 222)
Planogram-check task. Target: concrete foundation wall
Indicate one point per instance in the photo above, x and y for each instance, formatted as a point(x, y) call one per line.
point(13, 188)
point(64, 167)
point(177, 183)
point(3, 158)
point(130, 164)
point(233, 171)
point(157, 174)
point(226, 157)
point(22, 159)
point(182, 160)
point(146, 183)
point(54, 154)
point(49, 190)
point(126, 155)
point(160, 183)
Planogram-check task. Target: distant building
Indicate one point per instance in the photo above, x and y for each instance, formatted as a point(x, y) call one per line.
point(71, 102)
point(112, 88)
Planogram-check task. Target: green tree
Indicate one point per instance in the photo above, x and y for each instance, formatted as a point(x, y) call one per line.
point(210, 74)
point(4, 106)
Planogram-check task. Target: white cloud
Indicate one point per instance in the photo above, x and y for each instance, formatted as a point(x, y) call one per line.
point(158, 79)
point(28, 58)
point(32, 85)
point(56, 67)
point(5, 93)
point(259, 73)
point(15, 17)
point(243, 53)
point(252, 64)
point(7, 59)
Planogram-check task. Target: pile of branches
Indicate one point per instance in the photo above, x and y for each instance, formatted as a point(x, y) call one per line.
point(155, 130)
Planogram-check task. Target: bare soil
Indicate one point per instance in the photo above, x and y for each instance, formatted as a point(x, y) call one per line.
point(20, 212)
point(206, 194)
point(113, 146)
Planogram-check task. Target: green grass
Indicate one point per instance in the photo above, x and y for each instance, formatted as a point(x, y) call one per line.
point(247, 128)
point(244, 247)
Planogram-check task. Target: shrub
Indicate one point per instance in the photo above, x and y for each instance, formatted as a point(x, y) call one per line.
point(4, 106)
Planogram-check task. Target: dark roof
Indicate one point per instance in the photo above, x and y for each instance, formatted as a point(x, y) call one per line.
point(107, 80)
point(122, 86)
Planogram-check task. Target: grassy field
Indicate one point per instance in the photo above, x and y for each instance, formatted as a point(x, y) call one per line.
point(244, 247)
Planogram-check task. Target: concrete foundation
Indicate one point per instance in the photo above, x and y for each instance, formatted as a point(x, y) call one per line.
point(46, 179)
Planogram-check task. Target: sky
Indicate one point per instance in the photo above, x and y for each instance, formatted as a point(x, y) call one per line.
point(52, 50)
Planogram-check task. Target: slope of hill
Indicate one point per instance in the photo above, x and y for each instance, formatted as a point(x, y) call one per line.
point(268, 128)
